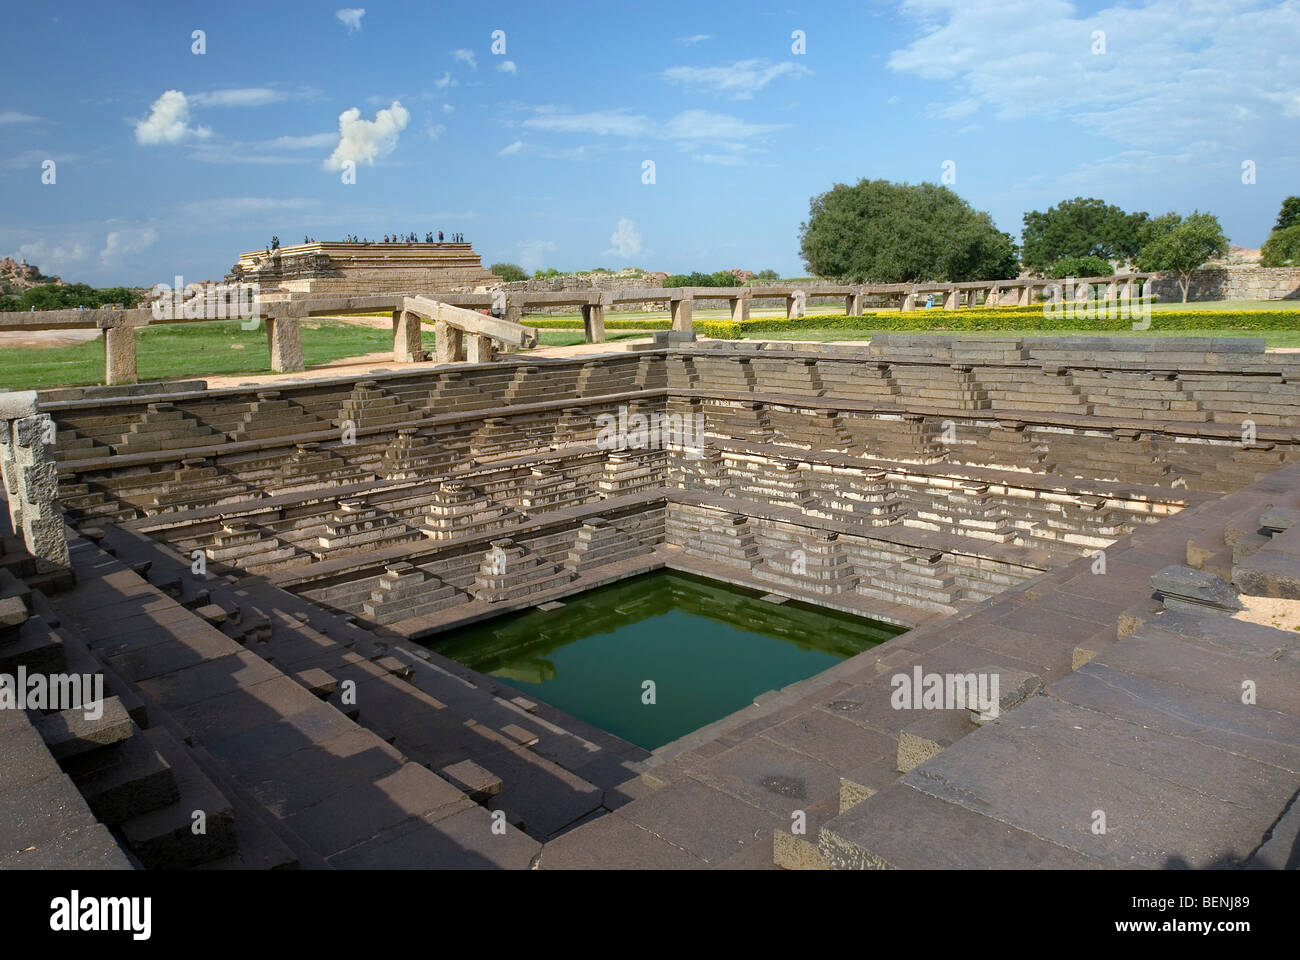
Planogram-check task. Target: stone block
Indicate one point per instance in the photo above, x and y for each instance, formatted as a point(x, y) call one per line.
point(477, 783)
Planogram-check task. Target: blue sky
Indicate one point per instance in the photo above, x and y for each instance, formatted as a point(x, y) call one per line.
point(168, 162)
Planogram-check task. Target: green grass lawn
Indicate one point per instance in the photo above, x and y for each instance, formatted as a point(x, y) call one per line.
point(212, 349)
point(184, 350)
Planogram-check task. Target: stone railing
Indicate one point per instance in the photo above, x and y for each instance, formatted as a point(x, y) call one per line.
point(31, 480)
point(282, 312)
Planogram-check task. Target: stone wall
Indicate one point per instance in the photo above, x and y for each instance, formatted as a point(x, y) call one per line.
point(585, 281)
point(1233, 283)
point(349, 269)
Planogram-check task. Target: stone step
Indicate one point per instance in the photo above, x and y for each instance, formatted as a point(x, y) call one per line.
point(168, 838)
point(137, 781)
point(71, 732)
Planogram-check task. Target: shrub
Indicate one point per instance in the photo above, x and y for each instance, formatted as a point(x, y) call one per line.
point(723, 278)
point(1082, 267)
point(508, 271)
point(1282, 248)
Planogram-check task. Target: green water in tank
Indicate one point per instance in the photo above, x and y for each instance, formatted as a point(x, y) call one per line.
point(708, 647)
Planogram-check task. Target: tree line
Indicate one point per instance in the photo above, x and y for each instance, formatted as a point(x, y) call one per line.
point(883, 232)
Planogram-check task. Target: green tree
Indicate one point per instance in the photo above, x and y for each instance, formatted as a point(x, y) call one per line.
point(898, 232)
point(1185, 247)
point(508, 271)
point(1082, 267)
point(1289, 215)
point(1082, 227)
point(722, 278)
point(1282, 248)
point(767, 275)
point(69, 296)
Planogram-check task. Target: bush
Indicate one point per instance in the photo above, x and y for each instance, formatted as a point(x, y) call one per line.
point(508, 271)
point(723, 278)
point(1282, 248)
point(1082, 267)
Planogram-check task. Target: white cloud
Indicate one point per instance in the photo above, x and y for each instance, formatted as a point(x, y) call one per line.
point(54, 257)
point(725, 135)
point(120, 244)
point(233, 208)
point(694, 39)
point(740, 80)
point(447, 108)
point(466, 57)
point(625, 240)
point(446, 80)
point(245, 97)
point(312, 141)
point(724, 159)
point(532, 254)
point(507, 66)
point(365, 141)
point(706, 125)
point(350, 17)
point(955, 111)
point(1173, 72)
point(168, 121)
point(34, 158)
point(510, 149)
point(617, 123)
point(13, 116)
point(435, 131)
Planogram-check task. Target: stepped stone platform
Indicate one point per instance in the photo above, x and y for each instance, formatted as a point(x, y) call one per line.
point(261, 576)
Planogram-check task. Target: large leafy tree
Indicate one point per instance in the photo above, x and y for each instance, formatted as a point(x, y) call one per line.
point(1289, 215)
point(878, 231)
point(1082, 227)
point(1184, 247)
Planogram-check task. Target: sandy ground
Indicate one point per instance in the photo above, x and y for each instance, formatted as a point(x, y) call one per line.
point(45, 338)
point(1271, 612)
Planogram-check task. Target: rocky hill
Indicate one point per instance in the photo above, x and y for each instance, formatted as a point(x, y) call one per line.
point(16, 276)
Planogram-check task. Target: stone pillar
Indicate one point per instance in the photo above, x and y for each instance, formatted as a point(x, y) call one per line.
point(909, 301)
point(285, 340)
point(514, 313)
point(593, 322)
point(993, 297)
point(1112, 290)
point(407, 346)
point(478, 348)
point(1027, 294)
point(796, 305)
point(952, 300)
point(740, 308)
point(853, 304)
point(31, 478)
point(681, 312)
point(119, 353)
point(448, 342)
point(1127, 293)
